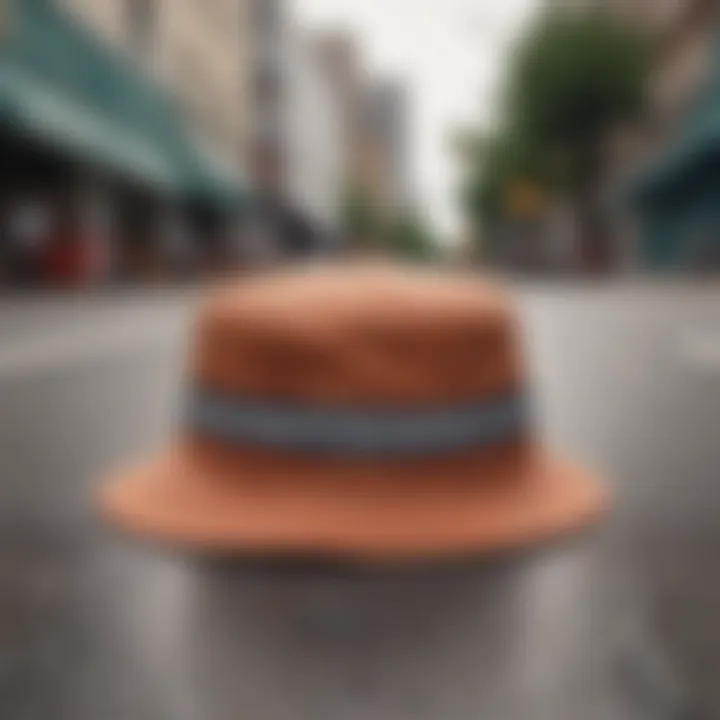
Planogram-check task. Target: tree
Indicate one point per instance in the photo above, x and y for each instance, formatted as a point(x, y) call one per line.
point(361, 220)
point(495, 164)
point(407, 236)
point(403, 234)
point(574, 77)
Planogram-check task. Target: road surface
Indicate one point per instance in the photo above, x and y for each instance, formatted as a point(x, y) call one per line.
point(96, 628)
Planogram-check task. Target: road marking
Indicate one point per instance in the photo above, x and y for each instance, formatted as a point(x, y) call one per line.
point(58, 349)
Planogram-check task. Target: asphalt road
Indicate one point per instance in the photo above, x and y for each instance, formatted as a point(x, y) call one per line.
point(622, 623)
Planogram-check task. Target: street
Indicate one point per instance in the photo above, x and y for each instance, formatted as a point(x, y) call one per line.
point(628, 380)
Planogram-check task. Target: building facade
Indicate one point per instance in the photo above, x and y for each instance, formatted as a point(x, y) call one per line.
point(684, 33)
point(298, 134)
point(656, 14)
point(678, 195)
point(116, 113)
point(201, 54)
point(268, 30)
point(385, 174)
point(341, 58)
point(666, 231)
point(317, 137)
point(198, 49)
point(684, 62)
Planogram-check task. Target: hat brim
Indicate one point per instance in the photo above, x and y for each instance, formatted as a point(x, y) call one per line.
point(244, 503)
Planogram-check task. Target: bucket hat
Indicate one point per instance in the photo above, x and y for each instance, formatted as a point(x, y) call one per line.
point(366, 412)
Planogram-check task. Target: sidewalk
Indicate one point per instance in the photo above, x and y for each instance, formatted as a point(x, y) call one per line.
point(52, 330)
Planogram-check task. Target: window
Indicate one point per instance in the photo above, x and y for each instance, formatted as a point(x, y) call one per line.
point(141, 19)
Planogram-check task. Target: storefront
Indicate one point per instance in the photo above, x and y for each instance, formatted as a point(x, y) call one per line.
point(677, 198)
point(94, 143)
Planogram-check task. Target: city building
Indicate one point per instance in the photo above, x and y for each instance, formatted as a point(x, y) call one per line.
point(317, 138)
point(385, 173)
point(98, 137)
point(678, 195)
point(657, 15)
point(198, 51)
point(661, 229)
point(683, 31)
point(658, 228)
point(201, 54)
point(297, 140)
point(268, 27)
point(683, 64)
point(340, 55)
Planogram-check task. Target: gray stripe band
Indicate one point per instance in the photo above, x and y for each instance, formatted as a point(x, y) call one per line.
point(359, 432)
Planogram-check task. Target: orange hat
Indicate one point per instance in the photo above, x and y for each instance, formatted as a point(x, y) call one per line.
point(365, 412)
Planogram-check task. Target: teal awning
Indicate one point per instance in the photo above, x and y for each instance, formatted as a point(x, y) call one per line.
point(61, 83)
point(215, 182)
point(41, 111)
point(689, 153)
point(697, 142)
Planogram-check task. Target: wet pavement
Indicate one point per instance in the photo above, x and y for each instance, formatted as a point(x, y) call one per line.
point(620, 623)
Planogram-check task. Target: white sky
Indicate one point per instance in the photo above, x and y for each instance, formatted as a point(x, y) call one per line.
point(451, 55)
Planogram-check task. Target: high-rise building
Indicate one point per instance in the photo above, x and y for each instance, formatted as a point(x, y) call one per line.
point(298, 139)
point(341, 59)
point(268, 26)
point(316, 135)
point(385, 173)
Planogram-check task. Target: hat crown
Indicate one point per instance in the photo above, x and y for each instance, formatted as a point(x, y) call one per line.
point(359, 336)
point(356, 413)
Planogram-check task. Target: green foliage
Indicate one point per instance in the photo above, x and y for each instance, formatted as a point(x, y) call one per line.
point(574, 76)
point(402, 235)
point(360, 220)
point(497, 162)
point(407, 236)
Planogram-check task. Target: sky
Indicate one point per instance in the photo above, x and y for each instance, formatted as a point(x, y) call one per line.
point(451, 55)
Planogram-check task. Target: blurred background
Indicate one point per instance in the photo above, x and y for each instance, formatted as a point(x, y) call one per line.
point(147, 146)
point(147, 141)
point(156, 141)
